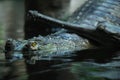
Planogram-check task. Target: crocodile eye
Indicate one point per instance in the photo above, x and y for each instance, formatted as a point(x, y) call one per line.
point(34, 45)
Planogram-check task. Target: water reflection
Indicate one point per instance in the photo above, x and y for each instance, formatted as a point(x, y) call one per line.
point(81, 68)
point(86, 65)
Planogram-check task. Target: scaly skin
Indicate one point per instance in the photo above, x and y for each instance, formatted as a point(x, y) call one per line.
point(97, 20)
point(45, 48)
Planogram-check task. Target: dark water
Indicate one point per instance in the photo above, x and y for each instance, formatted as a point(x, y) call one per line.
point(82, 67)
point(102, 64)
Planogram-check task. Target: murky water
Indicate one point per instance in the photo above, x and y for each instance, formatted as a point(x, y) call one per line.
point(95, 65)
point(11, 26)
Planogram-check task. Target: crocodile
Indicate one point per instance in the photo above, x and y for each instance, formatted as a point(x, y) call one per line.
point(93, 21)
point(97, 21)
point(45, 48)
